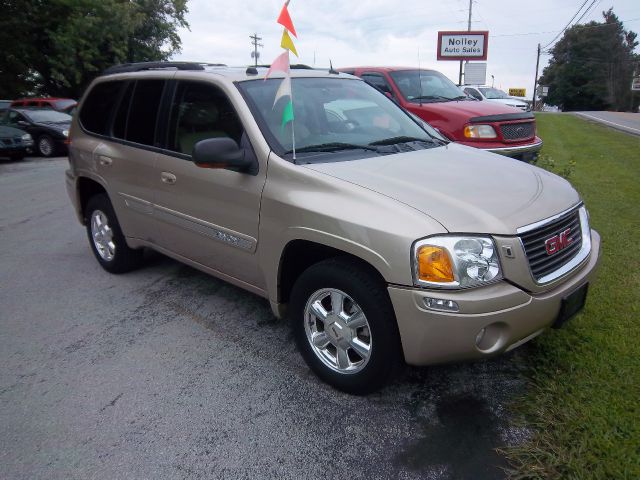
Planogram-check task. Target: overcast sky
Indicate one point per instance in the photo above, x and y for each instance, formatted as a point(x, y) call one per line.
point(388, 32)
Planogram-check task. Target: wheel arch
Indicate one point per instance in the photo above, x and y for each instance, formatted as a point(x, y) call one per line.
point(299, 254)
point(86, 188)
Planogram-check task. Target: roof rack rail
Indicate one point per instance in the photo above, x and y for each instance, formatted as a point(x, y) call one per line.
point(293, 66)
point(141, 66)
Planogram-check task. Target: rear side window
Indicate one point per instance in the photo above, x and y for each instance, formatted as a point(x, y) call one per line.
point(122, 114)
point(96, 109)
point(143, 111)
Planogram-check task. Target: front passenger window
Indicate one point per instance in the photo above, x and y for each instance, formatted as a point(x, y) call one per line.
point(201, 111)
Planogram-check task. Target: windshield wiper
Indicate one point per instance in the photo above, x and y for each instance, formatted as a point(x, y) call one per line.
point(431, 97)
point(401, 139)
point(461, 97)
point(332, 147)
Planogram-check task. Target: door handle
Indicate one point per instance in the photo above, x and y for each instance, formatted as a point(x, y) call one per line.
point(168, 178)
point(104, 161)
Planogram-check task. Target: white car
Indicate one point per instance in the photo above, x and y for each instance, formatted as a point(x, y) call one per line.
point(482, 92)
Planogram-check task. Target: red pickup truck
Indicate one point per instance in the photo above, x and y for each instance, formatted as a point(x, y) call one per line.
point(437, 100)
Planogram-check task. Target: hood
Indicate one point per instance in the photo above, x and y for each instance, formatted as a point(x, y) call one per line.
point(55, 126)
point(463, 188)
point(466, 109)
point(507, 101)
point(10, 132)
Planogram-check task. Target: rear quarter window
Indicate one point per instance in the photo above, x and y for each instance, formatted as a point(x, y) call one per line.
point(95, 114)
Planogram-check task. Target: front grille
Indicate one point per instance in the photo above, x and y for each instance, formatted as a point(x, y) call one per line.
point(517, 131)
point(10, 141)
point(540, 262)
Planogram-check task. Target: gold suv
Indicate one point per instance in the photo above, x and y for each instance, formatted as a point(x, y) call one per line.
point(382, 242)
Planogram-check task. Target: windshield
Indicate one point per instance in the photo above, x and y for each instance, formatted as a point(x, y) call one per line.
point(330, 115)
point(426, 86)
point(47, 116)
point(493, 93)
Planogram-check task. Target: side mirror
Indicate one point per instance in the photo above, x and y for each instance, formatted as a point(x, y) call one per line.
point(221, 153)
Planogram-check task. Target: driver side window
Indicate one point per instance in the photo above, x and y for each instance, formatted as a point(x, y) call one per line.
point(14, 118)
point(201, 111)
point(473, 92)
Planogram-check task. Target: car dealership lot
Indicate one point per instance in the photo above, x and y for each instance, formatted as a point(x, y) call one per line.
point(169, 373)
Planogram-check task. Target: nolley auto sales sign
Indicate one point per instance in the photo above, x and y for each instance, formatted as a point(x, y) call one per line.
point(463, 45)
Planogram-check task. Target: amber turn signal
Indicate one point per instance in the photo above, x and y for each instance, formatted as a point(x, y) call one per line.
point(434, 264)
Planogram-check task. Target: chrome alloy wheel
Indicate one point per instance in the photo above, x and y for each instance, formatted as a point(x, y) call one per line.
point(102, 235)
point(338, 331)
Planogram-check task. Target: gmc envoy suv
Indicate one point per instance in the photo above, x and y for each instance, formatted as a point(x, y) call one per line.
point(380, 241)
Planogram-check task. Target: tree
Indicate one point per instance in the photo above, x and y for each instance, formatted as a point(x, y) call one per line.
point(56, 47)
point(592, 67)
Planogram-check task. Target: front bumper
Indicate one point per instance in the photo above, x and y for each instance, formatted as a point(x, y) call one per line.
point(526, 153)
point(16, 150)
point(509, 315)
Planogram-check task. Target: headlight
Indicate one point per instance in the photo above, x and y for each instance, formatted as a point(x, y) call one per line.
point(26, 138)
point(479, 131)
point(65, 133)
point(455, 262)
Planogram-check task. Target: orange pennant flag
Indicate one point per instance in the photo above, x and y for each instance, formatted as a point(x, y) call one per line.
point(287, 43)
point(285, 20)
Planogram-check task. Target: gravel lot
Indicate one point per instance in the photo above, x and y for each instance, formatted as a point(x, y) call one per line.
point(168, 373)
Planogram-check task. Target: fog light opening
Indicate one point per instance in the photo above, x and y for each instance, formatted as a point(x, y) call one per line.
point(441, 304)
point(491, 338)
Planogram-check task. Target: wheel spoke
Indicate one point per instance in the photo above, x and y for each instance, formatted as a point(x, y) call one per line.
point(342, 358)
point(360, 348)
point(357, 320)
point(337, 300)
point(320, 339)
point(318, 310)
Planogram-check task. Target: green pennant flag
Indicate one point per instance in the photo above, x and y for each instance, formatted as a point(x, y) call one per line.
point(287, 114)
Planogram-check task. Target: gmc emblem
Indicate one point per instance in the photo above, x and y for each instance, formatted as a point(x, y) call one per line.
point(558, 242)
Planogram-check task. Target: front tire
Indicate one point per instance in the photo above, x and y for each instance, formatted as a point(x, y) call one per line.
point(344, 326)
point(106, 239)
point(45, 146)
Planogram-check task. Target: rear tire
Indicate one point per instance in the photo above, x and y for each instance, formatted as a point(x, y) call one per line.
point(345, 327)
point(106, 239)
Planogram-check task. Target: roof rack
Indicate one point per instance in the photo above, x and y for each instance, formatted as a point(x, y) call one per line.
point(293, 66)
point(141, 66)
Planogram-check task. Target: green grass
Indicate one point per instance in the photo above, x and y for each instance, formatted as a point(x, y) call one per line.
point(584, 394)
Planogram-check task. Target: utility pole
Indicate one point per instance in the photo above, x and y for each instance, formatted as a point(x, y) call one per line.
point(468, 30)
point(535, 83)
point(254, 41)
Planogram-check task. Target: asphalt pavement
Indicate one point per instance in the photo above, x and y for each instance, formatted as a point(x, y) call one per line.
point(167, 373)
point(625, 121)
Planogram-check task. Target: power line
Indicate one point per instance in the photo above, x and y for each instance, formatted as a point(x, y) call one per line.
point(591, 5)
point(556, 31)
point(567, 26)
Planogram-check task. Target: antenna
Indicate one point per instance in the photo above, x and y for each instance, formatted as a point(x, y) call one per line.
point(331, 70)
point(419, 78)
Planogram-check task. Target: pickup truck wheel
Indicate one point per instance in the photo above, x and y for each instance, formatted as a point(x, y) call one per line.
point(344, 326)
point(106, 238)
